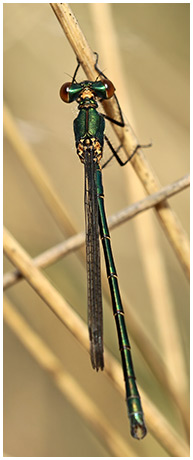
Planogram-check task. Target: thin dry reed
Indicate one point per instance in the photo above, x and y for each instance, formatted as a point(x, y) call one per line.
point(157, 424)
point(46, 190)
point(66, 383)
point(171, 225)
point(151, 255)
point(26, 267)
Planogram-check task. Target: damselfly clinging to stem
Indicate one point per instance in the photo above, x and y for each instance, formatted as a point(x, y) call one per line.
point(89, 136)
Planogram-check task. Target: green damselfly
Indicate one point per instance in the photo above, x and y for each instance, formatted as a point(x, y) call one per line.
point(89, 137)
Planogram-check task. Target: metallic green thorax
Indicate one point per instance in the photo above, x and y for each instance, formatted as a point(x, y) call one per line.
point(89, 123)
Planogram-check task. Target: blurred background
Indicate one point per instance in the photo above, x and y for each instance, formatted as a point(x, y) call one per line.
point(153, 45)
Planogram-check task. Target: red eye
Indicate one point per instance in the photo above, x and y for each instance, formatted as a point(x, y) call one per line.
point(64, 92)
point(110, 89)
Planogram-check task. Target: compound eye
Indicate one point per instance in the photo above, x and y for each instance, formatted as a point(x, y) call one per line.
point(110, 89)
point(64, 92)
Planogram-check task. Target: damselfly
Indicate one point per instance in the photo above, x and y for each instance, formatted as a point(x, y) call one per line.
point(89, 136)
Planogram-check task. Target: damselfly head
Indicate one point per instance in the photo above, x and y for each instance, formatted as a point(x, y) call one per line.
point(102, 89)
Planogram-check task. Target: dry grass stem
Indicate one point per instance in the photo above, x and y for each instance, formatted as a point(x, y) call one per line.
point(168, 219)
point(137, 331)
point(151, 255)
point(169, 333)
point(37, 173)
point(74, 243)
point(66, 383)
point(43, 184)
point(157, 424)
point(167, 361)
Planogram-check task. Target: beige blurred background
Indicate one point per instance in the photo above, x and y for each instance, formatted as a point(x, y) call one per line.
point(153, 41)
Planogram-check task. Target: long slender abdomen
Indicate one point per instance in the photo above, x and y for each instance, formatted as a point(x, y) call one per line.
point(135, 412)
